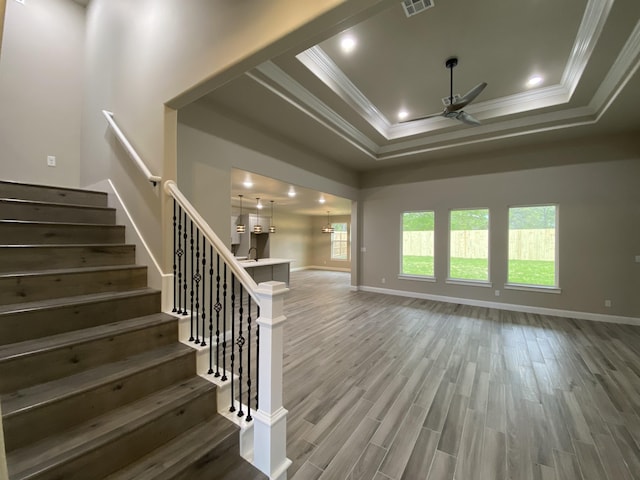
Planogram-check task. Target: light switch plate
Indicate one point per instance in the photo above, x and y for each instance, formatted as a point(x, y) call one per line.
point(51, 161)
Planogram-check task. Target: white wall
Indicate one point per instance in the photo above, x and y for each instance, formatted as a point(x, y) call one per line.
point(41, 76)
point(599, 232)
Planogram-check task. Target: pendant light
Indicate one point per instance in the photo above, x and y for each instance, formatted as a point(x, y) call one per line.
point(272, 227)
point(257, 228)
point(240, 226)
point(327, 228)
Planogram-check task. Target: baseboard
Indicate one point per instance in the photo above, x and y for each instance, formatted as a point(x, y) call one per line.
point(155, 278)
point(330, 269)
point(596, 317)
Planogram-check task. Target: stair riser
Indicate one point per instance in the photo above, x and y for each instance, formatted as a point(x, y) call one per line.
point(27, 370)
point(16, 233)
point(24, 428)
point(133, 445)
point(28, 288)
point(52, 194)
point(45, 213)
point(31, 324)
point(21, 259)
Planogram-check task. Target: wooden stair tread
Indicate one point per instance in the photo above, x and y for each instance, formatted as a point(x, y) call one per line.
point(38, 395)
point(67, 271)
point(164, 462)
point(20, 201)
point(102, 430)
point(57, 224)
point(63, 340)
point(70, 301)
point(20, 190)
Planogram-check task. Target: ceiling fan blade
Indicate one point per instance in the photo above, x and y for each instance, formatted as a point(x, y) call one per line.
point(433, 115)
point(464, 117)
point(469, 97)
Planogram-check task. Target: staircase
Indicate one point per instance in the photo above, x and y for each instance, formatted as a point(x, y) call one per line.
point(93, 381)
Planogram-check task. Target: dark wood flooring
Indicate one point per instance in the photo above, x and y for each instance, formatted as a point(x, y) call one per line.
point(381, 387)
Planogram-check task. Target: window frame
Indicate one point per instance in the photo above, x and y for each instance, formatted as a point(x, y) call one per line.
point(347, 242)
point(414, 276)
point(533, 287)
point(467, 281)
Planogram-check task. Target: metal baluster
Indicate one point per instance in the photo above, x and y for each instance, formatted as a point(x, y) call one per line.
point(218, 308)
point(233, 337)
point(197, 278)
point(180, 252)
point(184, 285)
point(240, 343)
point(257, 355)
point(224, 325)
point(204, 283)
point(191, 338)
point(249, 418)
point(175, 253)
point(210, 310)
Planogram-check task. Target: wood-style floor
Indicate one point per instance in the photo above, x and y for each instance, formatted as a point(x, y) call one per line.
point(381, 387)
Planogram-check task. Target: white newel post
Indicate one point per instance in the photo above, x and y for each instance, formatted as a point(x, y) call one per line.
point(270, 421)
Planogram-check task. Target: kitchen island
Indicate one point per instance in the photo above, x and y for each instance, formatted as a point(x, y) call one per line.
point(267, 269)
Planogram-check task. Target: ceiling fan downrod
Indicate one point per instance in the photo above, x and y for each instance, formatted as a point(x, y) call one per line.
point(450, 63)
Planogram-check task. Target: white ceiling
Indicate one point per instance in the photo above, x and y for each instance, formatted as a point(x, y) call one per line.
point(344, 106)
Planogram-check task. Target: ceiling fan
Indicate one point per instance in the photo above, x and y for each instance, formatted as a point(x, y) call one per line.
point(455, 103)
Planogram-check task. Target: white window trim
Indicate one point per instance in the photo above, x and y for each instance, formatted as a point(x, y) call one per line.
point(419, 278)
point(413, 276)
point(532, 288)
point(348, 242)
point(546, 288)
point(464, 281)
point(469, 283)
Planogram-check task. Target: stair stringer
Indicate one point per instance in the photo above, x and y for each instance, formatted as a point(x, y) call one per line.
point(222, 388)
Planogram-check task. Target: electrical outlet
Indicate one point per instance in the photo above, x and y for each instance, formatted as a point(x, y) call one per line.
point(607, 303)
point(363, 249)
point(497, 293)
point(637, 258)
point(384, 280)
point(51, 161)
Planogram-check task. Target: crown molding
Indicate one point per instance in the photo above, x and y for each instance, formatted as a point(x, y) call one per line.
point(318, 62)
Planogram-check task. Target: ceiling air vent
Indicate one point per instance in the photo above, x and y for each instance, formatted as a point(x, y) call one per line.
point(413, 7)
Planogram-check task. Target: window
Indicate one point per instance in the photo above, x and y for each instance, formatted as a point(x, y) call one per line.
point(532, 246)
point(340, 242)
point(469, 245)
point(417, 243)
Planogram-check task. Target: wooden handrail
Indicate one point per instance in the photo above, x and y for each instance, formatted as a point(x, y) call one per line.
point(241, 274)
point(154, 179)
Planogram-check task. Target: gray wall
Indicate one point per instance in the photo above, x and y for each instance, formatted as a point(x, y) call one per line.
point(322, 244)
point(41, 74)
point(293, 239)
point(206, 160)
point(599, 232)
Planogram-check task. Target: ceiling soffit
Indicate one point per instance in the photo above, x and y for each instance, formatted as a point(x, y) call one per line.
point(549, 107)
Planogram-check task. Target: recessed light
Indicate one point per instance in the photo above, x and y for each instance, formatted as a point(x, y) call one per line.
point(348, 44)
point(322, 200)
point(534, 81)
point(291, 193)
point(248, 183)
point(402, 114)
